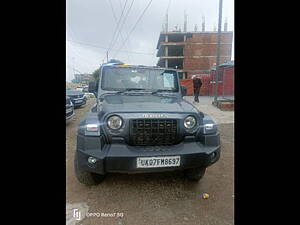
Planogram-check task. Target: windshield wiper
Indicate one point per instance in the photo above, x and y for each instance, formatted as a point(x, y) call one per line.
point(131, 89)
point(161, 90)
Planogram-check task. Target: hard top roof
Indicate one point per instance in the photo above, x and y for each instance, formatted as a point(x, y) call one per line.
point(136, 66)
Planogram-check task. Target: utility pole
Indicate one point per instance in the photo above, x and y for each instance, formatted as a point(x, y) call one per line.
point(185, 22)
point(107, 56)
point(167, 27)
point(73, 67)
point(218, 52)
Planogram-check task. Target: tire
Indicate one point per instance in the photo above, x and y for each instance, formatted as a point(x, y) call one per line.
point(195, 174)
point(85, 177)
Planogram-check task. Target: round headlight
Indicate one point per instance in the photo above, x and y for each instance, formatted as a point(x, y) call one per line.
point(114, 122)
point(190, 122)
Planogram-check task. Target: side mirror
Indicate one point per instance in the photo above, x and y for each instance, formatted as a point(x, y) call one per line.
point(183, 90)
point(93, 88)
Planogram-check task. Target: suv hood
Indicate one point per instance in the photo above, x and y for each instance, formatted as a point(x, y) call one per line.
point(145, 103)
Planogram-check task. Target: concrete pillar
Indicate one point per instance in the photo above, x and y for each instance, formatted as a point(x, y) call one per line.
point(166, 38)
point(184, 38)
point(166, 63)
point(166, 51)
point(225, 25)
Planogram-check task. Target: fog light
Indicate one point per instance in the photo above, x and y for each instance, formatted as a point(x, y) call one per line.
point(209, 126)
point(92, 127)
point(92, 160)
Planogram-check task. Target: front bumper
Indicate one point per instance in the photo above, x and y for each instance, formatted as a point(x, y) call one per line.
point(68, 117)
point(122, 158)
point(69, 112)
point(79, 102)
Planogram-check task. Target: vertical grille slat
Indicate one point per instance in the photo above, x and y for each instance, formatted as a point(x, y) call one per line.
point(153, 131)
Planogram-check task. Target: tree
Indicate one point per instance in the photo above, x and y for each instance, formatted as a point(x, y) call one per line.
point(97, 71)
point(96, 74)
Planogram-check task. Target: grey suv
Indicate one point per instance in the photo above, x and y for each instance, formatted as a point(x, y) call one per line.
point(142, 124)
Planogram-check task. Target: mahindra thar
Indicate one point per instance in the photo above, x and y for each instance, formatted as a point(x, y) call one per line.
point(142, 124)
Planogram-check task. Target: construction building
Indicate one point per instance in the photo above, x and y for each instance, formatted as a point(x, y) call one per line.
point(192, 52)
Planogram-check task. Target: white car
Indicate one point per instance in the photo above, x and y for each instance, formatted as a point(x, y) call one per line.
point(79, 89)
point(89, 95)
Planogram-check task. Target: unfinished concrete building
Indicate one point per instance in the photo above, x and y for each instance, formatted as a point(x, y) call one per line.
point(192, 52)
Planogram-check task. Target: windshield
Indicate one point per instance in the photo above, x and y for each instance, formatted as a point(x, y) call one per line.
point(135, 78)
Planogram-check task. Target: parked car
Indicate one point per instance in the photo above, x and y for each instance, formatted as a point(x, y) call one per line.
point(79, 89)
point(77, 97)
point(69, 109)
point(82, 88)
point(142, 124)
point(89, 95)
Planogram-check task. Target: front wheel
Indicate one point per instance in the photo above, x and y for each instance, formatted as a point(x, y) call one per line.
point(85, 177)
point(195, 174)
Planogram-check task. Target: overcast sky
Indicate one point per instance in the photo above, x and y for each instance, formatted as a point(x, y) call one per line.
point(91, 25)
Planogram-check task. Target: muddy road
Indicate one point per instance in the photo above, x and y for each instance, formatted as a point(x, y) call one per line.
point(148, 199)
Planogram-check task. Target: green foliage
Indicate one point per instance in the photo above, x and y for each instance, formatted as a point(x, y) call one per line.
point(97, 71)
point(96, 74)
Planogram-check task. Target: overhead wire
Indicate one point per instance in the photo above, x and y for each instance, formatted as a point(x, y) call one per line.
point(102, 47)
point(117, 21)
point(141, 16)
point(71, 32)
point(124, 20)
point(117, 25)
point(118, 31)
point(85, 61)
point(167, 11)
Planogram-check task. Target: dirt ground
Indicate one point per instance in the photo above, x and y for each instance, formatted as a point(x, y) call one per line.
point(148, 199)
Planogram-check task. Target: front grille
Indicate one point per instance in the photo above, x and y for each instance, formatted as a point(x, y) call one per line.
point(76, 96)
point(153, 132)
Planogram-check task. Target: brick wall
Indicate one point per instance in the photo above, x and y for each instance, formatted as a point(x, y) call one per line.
point(188, 83)
point(205, 88)
point(208, 86)
point(227, 85)
point(202, 45)
point(210, 38)
point(201, 63)
point(206, 50)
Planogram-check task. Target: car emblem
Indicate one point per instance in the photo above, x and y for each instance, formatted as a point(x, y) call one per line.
point(154, 115)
